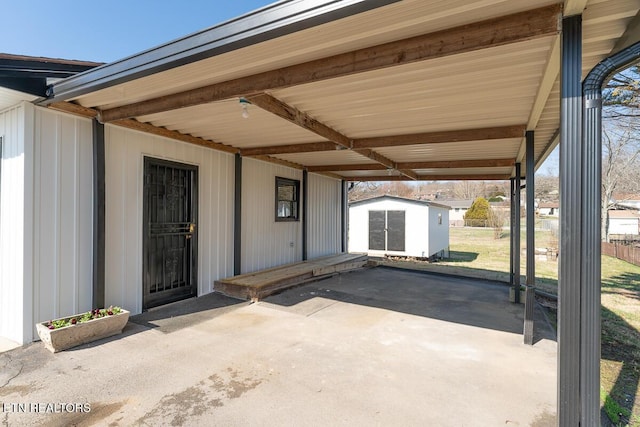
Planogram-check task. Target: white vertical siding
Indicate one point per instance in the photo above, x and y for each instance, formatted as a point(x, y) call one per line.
point(324, 223)
point(125, 152)
point(438, 232)
point(62, 214)
point(265, 242)
point(45, 218)
point(13, 322)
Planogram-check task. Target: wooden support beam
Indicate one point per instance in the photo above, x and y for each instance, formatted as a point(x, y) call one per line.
point(399, 140)
point(488, 177)
point(297, 117)
point(338, 140)
point(466, 38)
point(78, 110)
point(445, 164)
point(289, 149)
point(482, 134)
point(390, 164)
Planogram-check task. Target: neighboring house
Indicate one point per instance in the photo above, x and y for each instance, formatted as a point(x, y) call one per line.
point(458, 209)
point(549, 209)
point(625, 222)
point(626, 201)
point(398, 226)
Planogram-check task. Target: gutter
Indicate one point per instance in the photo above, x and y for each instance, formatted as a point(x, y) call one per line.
point(273, 21)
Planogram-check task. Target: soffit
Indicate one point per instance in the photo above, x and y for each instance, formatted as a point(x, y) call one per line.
point(492, 87)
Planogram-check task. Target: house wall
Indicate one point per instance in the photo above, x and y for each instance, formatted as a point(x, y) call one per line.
point(265, 242)
point(555, 212)
point(13, 294)
point(45, 218)
point(456, 217)
point(125, 151)
point(623, 226)
point(416, 223)
point(438, 230)
point(63, 215)
point(324, 222)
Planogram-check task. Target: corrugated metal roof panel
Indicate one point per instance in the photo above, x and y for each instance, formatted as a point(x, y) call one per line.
point(394, 22)
point(499, 149)
point(223, 122)
point(344, 157)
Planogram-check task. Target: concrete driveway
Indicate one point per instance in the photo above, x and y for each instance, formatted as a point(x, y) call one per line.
point(373, 347)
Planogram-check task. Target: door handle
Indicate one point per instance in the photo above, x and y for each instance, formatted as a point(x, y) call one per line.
point(192, 228)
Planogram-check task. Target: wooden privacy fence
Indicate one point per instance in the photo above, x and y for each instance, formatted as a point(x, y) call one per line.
point(626, 253)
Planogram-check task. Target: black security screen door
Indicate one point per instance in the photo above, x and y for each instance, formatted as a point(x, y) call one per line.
point(170, 237)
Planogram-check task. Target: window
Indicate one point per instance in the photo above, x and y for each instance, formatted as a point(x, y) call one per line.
point(287, 199)
point(439, 219)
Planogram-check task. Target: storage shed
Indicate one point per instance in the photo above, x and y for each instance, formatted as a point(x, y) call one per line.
point(389, 225)
point(624, 222)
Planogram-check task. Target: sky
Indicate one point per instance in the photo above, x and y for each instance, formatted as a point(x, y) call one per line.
point(109, 30)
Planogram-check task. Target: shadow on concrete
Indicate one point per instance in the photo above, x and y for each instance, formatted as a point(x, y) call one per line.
point(472, 302)
point(173, 317)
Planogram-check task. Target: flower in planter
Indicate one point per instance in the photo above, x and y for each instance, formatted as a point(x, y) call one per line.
point(82, 318)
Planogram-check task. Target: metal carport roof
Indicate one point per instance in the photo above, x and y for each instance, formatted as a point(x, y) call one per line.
point(360, 90)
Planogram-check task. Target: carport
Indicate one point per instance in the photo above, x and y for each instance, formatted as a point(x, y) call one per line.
point(396, 90)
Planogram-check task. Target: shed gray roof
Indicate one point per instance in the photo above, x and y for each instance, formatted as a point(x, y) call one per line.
point(399, 199)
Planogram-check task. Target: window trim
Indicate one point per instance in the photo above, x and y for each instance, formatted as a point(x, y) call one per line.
point(281, 181)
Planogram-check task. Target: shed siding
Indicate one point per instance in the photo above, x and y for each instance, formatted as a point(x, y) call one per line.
point(324, 225)
point(125, 151)
point(265, 242)
point(63, 215)
point(438, 230)
point(13, 323)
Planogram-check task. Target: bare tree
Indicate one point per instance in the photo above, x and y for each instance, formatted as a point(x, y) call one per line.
point(469, 190)
point(362, 190)
point(620, 165)
point(496, 220)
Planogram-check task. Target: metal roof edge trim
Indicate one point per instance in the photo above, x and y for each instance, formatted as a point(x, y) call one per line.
point(279, 19)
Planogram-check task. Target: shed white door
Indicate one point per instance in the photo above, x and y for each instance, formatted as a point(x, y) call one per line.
point(387, 231)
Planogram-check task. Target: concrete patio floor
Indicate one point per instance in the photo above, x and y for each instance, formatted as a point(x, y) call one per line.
point(372, 347)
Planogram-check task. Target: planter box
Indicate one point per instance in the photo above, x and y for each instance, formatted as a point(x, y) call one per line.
point(81, 333)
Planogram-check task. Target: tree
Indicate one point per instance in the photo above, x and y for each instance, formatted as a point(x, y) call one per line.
point(496, 220)
point(620, 166)
point(362, 190)
point(468, 189)
point(478, 214)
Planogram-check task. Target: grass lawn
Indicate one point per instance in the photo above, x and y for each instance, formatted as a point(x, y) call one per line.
point(475, 250)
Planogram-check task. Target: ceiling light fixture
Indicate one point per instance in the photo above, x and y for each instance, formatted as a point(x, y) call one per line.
point(245, 107)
